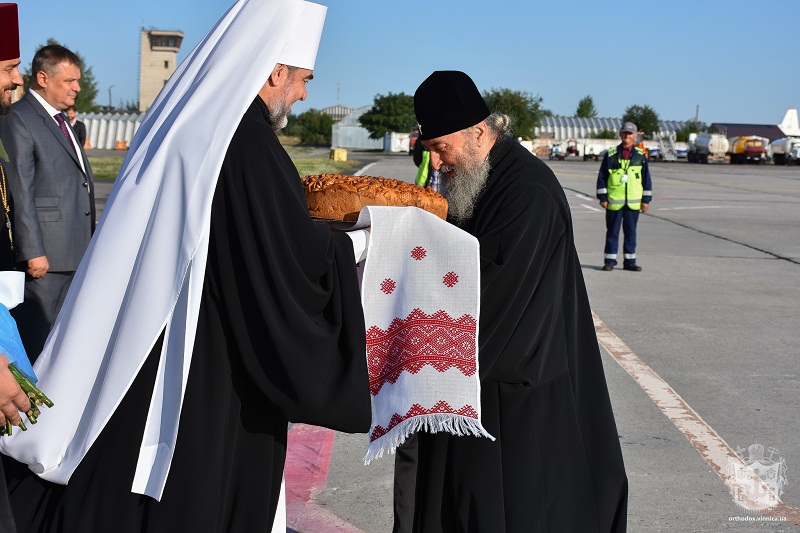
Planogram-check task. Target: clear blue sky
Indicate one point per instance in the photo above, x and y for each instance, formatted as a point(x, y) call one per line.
point(734, 59)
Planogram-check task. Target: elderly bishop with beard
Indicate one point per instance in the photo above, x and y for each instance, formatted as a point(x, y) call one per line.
point(209, 310)
point(556, 464)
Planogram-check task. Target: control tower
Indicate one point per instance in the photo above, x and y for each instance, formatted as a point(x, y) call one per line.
point(158, 59)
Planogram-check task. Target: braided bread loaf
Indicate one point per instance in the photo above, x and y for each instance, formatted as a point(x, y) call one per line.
point(338, 197)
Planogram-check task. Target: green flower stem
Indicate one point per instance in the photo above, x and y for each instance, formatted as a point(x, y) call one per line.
point(36, 396)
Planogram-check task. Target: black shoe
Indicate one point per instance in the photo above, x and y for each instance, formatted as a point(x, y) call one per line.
point(608, 267)
point(633, 267)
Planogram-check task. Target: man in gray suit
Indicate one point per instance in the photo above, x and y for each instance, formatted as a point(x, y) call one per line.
point(51, 184)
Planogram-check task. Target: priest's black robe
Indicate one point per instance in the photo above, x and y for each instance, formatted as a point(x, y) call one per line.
point(7, 256)
point(556, 465)
point(280, 337)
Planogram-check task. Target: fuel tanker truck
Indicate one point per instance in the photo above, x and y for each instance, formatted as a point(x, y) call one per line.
point(705, 147)
point(748, 149)
point(786, 151)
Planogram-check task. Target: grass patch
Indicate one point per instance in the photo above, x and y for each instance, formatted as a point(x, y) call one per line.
point(107, 168)
point(310, 166)
point(289, 140)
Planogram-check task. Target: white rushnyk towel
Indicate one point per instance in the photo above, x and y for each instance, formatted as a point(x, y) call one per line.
point(420, 290)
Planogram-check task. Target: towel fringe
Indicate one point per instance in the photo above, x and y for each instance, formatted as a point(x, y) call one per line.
point(433, 423)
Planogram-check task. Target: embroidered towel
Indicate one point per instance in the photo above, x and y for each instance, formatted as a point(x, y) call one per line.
point(420, 290)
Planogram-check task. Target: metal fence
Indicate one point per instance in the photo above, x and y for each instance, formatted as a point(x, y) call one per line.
point(558, 127)
point(110, 131)
point(350, 134)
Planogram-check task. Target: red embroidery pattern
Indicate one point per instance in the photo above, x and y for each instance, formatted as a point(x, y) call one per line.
point(420, 340)
point(388, 286)
point(419, 253)
point(417, 410)
point(450, 279)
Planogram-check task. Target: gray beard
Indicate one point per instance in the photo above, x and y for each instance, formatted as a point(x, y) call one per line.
point(463, 190)
point(279, 117)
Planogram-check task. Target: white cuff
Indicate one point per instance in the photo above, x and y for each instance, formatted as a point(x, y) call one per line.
point(360, 240)
point(12, 288)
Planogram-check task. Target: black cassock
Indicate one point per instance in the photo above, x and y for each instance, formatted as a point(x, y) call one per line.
point(557, 464)
point(280, 337)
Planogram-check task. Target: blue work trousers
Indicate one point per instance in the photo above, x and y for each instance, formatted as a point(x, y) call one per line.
point(627, 218)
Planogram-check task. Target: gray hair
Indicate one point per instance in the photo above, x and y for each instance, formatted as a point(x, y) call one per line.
point(500, 124)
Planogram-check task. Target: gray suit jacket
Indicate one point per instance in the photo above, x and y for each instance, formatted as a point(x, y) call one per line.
point(53, 197)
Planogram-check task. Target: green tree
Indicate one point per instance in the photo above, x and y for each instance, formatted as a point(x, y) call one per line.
point(525, 109)
point(690, 126)
point(84, 103)
point(129, 106)
point(606, 134)
point(586, 108)
point(389, 113)
point(291, 129)
point(645, 118)
point(314, 128)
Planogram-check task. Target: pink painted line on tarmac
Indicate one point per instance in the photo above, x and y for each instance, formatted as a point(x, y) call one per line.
point(308, 458)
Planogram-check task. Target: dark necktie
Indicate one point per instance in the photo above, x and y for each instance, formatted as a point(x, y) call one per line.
point(63, 125)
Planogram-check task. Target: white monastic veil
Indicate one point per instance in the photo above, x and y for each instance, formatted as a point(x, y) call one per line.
point(143, 271)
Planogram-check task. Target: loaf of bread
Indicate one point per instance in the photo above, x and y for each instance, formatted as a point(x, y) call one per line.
point(338, 197)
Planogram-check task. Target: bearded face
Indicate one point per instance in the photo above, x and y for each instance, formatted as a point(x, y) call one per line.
point(5, 98)
point(10, 79)
point(467, 180)
point(279, 113)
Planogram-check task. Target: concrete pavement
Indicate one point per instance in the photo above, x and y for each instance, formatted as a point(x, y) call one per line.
point(713, 315)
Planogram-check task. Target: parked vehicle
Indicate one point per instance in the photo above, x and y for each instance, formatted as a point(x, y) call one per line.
point(557, 151)
point(655, 155)
point(666, 149)
point(786, 151)
point(748, 149)
point(412, 140)
point(572, 148)
point(705, 147)
point(641, 145)
point(597, 148)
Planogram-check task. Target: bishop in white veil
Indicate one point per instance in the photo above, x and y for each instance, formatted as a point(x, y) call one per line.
point(208, 312)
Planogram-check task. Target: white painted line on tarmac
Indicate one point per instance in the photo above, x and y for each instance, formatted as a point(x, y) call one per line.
point(361, 172)
point(591, 207)
point(716, 452)
point(583, 196)
point(698, 207)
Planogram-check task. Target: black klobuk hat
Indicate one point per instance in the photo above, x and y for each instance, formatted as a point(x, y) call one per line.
point(447, 102)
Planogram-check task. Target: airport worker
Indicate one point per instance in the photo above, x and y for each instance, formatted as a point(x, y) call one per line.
point(624, 188)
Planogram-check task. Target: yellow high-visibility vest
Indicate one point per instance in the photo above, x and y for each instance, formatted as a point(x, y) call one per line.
point(422, 172)
point(624, 181)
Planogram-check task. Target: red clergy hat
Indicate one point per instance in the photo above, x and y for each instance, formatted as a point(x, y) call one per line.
point(9, 32)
